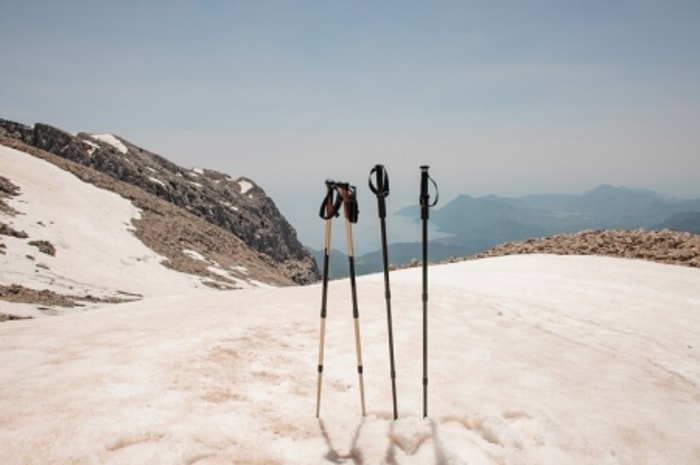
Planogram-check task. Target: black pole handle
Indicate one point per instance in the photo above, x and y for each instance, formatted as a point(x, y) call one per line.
point(380, 188)
point(330, 207)
point(339, 194)
point(424, 194)
point(349, 198)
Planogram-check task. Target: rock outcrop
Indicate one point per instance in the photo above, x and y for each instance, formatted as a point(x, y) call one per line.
point(236, 205)
point(188, 243)
point(666, 246)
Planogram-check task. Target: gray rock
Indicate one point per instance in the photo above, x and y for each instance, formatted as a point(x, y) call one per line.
point(237, 205)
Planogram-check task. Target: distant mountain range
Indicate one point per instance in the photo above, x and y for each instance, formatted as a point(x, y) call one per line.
point(476, 224)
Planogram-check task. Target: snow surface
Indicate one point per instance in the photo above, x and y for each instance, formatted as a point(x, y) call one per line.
point(245, 186)
point(97, 252)
point(535, 359)
point(111, 140)
point(232, 274)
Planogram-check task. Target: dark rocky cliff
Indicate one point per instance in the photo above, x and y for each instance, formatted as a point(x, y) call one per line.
point(236, 205)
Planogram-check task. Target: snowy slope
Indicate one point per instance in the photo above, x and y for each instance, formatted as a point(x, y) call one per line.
point(97, 252)
point(534, 359)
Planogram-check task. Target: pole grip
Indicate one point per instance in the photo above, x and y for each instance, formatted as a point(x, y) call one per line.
point(348, 196)
point(424, 196)
point(380, 188)
point(331, 202)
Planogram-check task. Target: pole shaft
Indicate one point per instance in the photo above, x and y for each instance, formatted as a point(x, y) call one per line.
point(381, 190)
point(324, 301)
point(344, 189)
point(424, 204)
point(425, 318)
point(387, 294)
point(320, 368)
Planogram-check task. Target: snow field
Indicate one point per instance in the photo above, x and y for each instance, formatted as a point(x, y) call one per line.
point(532, 359)
point(97, 252)
point(523, 369)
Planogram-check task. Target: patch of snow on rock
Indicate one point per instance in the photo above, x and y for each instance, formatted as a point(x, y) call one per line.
point(195, 255)
point(240, 268)
point(92, 146)
point(156, 181)
point(245, 185)
point(111, 140)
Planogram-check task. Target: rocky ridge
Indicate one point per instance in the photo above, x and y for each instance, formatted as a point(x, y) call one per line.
point(162, 226)
point(238, 206)
point(665, 246)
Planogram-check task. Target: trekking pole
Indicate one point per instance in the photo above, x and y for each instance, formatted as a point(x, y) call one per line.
point(329, 209)
point(381, 190)
point(348, 194)
point(425, 205)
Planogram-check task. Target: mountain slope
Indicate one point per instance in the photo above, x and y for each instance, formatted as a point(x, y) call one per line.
point(682, 221)
point(236, 205)
point(64, 235)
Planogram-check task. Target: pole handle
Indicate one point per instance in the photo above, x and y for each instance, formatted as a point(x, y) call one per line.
point(424, 192)
point(348, 195)
point(380, 188)
point(330, 207)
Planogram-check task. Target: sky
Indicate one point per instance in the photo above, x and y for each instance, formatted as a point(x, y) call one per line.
point(498, 97)
point(577, 360)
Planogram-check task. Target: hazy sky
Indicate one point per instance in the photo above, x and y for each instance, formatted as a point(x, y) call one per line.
point(498, 97)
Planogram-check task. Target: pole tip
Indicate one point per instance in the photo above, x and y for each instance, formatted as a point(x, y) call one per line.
point(424, 167)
